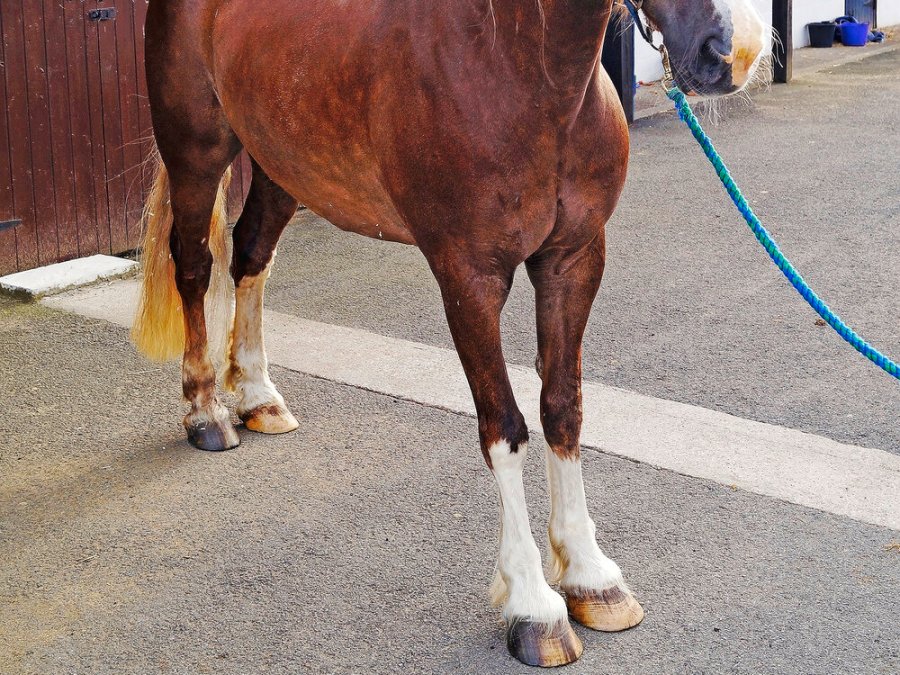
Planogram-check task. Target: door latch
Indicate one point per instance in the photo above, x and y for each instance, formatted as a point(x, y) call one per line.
point(105, 14)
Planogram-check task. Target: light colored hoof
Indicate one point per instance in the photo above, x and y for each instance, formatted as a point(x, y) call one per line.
point(610, 610)
point(538, 644)
point(271, 418)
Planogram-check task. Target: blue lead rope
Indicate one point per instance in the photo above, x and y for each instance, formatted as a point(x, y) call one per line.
point(764, 238)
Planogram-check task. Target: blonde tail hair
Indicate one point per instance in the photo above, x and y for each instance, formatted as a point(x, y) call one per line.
point(159, 327)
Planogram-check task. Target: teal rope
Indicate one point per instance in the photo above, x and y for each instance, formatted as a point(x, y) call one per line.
point(842, 329)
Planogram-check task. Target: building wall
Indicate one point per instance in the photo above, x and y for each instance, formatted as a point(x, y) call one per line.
point(888, 12)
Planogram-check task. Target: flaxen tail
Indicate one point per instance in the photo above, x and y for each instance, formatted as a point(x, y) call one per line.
point(159, 324)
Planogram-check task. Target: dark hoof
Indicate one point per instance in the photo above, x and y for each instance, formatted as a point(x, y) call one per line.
point(609, 610)
point(213, 436)
point(271, 418)
point(538, 644)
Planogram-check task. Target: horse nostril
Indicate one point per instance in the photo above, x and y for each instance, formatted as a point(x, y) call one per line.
point(715, 50)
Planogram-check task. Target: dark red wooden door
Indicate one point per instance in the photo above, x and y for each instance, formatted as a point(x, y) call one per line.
point(74, 130)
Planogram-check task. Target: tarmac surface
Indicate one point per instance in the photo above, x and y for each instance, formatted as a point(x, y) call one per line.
point(364, 542)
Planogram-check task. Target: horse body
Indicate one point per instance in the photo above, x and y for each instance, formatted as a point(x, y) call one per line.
point(373, 113)
point(482, 131)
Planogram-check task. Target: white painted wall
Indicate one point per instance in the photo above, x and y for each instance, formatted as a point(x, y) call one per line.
point(888, 12)
point(647, 63)
point(808, 11)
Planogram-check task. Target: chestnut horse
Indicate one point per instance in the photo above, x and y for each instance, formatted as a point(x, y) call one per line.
point(486, 133)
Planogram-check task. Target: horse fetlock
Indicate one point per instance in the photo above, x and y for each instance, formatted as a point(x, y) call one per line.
point(532, 600)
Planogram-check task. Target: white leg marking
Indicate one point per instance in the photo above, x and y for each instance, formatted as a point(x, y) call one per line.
point(248, 372)
point(578, 562)
point(520, 582)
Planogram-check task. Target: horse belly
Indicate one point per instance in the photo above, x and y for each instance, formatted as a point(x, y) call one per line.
point(301, 111)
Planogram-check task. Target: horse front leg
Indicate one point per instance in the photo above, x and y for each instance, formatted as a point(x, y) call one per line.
point(538, 630)
point(566, 281)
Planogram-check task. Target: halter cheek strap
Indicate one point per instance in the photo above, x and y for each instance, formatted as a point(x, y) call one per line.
point(634, 7)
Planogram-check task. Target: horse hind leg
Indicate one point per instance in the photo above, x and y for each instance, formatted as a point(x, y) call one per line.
point(198, 211)
point(184, 227)
point(267, 211)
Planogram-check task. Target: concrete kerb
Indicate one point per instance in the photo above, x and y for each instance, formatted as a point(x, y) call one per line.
point(59, 277)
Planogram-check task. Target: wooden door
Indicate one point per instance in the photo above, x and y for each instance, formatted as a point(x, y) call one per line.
point(74, 130)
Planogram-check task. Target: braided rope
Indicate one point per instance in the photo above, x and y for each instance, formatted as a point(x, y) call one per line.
point(764, 238)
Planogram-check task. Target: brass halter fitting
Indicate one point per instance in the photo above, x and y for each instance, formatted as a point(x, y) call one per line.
point(668, 75)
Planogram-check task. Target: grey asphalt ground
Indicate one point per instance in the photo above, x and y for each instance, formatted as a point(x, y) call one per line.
point(691, 307)
point(364, 542)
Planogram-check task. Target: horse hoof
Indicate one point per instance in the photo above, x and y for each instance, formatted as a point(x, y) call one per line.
point(609, 610)
point(540, 644)
point(270, 418)
point(213, 436)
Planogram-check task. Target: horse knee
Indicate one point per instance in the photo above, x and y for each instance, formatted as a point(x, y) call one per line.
point(561, 420)
point(509, 427)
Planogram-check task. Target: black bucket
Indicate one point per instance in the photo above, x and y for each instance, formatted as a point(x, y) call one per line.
point(821, 33)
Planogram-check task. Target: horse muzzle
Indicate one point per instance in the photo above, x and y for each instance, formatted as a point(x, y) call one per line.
point(722, 49)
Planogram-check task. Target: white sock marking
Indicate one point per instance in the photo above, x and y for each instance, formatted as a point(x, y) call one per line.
point(520, 583)
point(578, 562)
point(249, 368)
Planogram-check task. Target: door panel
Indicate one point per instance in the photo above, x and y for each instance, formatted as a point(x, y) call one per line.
point(861, 10)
